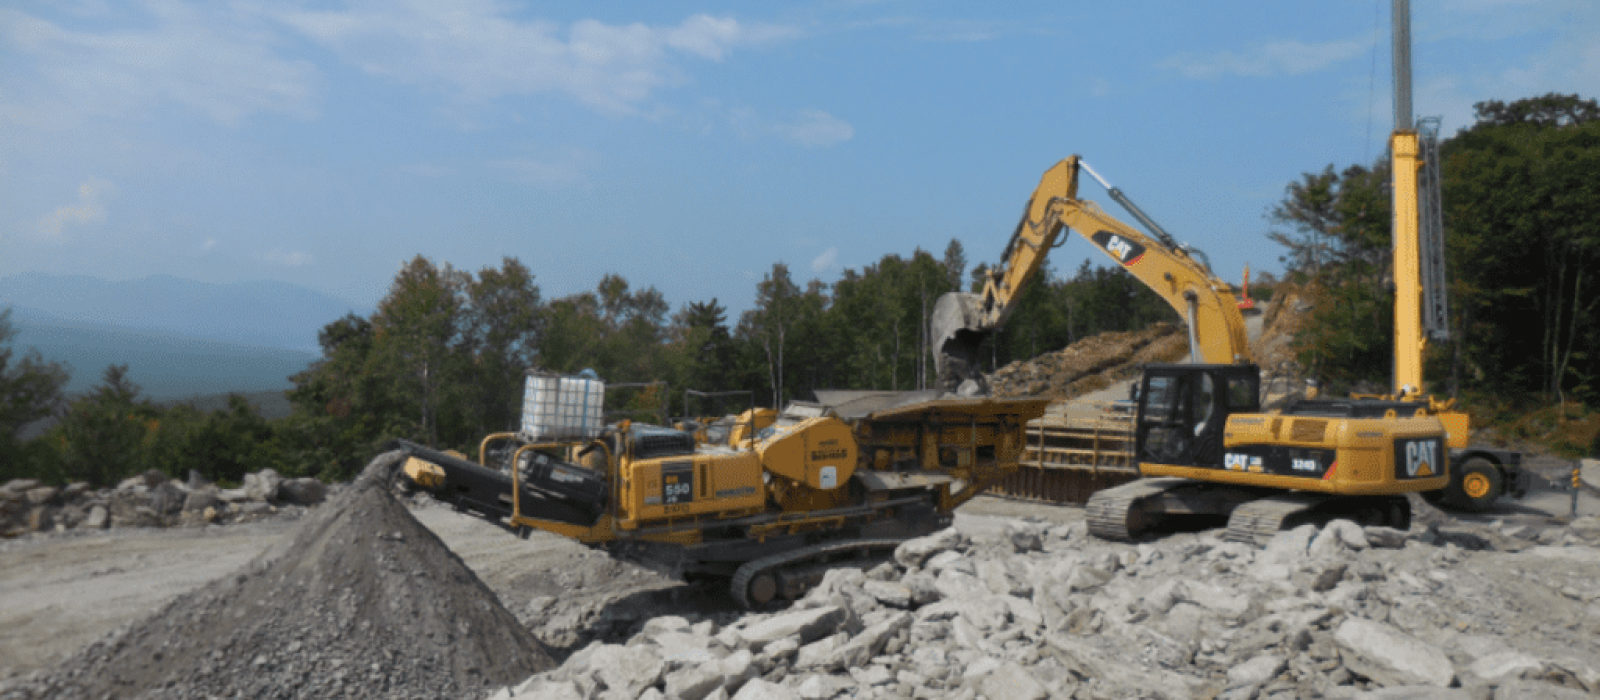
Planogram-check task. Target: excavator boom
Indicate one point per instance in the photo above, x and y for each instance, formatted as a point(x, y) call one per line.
point(961, 321)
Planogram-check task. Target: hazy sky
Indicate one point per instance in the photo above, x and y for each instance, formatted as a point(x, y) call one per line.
point(691, 145)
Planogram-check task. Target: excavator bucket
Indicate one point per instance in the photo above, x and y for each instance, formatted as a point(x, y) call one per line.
point(957, 333)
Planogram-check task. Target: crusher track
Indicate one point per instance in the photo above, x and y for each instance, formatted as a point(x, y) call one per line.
point(758, 582)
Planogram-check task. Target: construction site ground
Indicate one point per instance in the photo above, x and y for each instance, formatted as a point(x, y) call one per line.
point(63, 591)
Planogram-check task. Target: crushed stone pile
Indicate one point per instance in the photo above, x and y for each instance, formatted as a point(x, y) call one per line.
point(1028, 610)
point(362, 601)
point(1091, 363)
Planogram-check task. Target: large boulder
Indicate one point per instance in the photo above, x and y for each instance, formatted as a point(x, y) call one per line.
point(262, 485)
point(304, 491)
point(805, 625)
point(912, 553)
point(1389, 656)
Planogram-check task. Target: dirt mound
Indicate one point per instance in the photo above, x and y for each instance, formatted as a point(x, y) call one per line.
point(1090, 364)
point(1274, 348)
point(363, 601)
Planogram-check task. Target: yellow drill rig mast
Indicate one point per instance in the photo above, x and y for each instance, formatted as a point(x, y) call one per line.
point(1421, 304)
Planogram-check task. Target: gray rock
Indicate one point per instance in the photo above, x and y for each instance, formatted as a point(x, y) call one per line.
point(626, 669)
point(987, 613)
point(1257, 671)
point(538, 688)
point(1390, 656)
point(41, 495)
point(1506, 665)
point(1520, 689)
point(1384, 537)
point(891, 593)
point(924, 590)
point(1086, 577)
point(737, 668)
point(153, 478)
point(304, 491)
point(263, 485)
point(199, 500)
point(685, 648)
point(914, 552)
point(817, 654)
point(1289, 546)
point(75, 490)
point(1025, 536)
point(1010, 681)
point(765, 690)
point(1347, 533)
point(1330, 577)
point(862, 647)
point(807, 625)
point(821, 687)
point(17, 487)
point(1461, 536)
point(1415, 692)
point(167, 498)
point(693, 682)
point(97, 519)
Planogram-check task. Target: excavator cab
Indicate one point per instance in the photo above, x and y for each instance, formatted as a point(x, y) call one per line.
point(1183, 408)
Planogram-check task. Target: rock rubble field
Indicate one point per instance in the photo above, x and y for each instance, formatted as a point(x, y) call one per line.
point(150, 500)
point(1032, 610)
point(359, 598)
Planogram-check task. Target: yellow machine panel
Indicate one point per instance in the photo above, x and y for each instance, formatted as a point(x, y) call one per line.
point(1341, 456)
point(817, 452)
point(687, 485)
point(749, 423)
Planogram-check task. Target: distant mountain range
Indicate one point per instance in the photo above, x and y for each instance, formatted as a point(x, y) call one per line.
point(263, 314)
point(180, 338)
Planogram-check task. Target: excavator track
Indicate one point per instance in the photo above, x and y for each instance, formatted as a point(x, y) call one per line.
point(1119, 514)
point(1258, 521)
point(759, 582)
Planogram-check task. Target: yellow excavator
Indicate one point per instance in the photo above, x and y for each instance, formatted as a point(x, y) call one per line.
point(814, 487)
point(1207, 449)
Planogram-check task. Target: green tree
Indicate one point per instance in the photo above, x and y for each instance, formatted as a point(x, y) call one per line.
point(1523, 217)
point(30, 390)
point(105, 434)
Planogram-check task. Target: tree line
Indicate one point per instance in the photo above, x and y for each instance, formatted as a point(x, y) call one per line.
point(442, 361)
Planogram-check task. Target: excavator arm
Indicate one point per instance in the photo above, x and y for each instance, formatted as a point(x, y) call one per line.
point(961, 321)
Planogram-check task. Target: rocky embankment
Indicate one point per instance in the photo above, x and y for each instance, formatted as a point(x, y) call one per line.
point(1448, 610)
point(149, 500)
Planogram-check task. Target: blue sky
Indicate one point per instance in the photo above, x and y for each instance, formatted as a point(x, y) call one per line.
point(691, 145)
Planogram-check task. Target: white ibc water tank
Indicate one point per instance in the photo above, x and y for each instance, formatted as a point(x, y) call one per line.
point(562, 408)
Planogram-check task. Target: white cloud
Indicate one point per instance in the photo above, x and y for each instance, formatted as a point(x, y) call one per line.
point(206, 57)
point(208, 244)
point(475, 50)
point(828, 260)
point(88, 209)
point(815, 128)
point(1287, 57)
point(287, 258)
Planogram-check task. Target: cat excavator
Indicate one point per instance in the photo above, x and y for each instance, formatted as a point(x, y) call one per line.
point(1203, 444)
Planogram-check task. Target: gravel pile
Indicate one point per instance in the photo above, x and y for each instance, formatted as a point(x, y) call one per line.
point(362, 601)
point(1447, 610)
